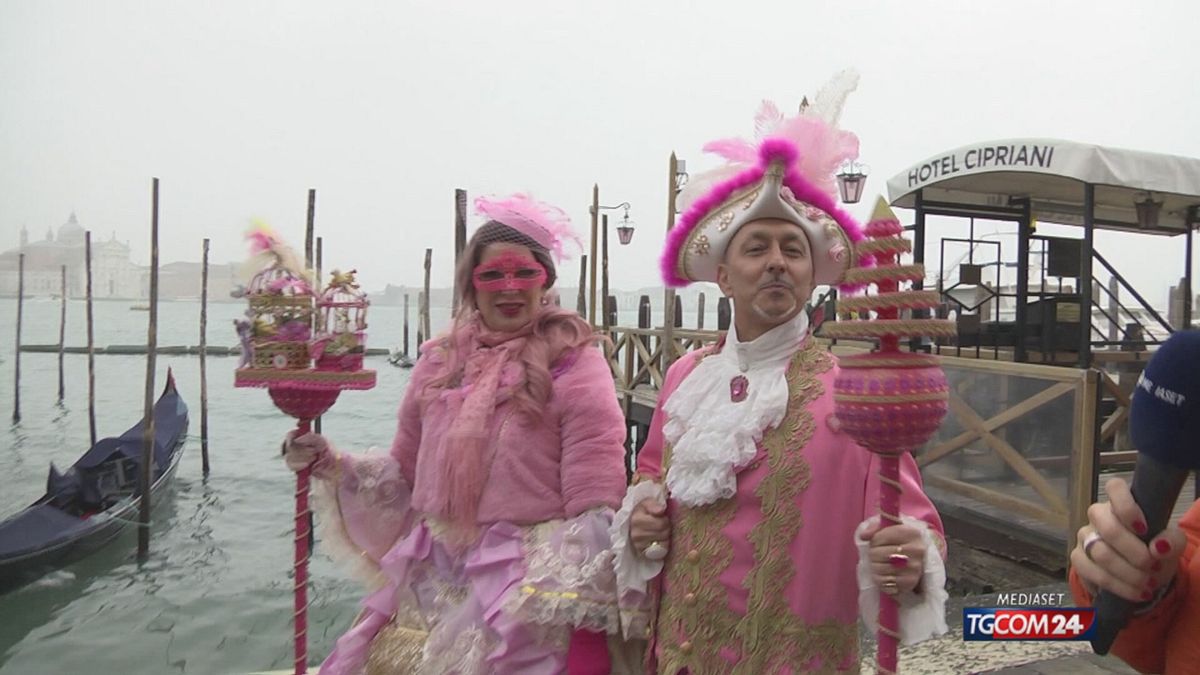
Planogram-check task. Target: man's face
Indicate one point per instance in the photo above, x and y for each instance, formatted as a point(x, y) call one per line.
point(768, 272)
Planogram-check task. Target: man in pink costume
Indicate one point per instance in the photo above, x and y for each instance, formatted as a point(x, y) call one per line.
point(751, 519)
point(484, 532)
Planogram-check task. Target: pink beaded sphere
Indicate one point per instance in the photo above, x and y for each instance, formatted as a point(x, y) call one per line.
point(891, 403)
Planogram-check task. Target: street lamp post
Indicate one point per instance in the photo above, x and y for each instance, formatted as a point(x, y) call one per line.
point(625, 234)
point(676, 178)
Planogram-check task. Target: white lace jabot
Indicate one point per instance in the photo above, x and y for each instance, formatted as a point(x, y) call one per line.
point(710, 434)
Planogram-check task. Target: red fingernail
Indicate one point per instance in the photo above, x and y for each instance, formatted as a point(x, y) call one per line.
point(1139, 527)
point(1146, 595)
point(1157, 566)
point(1162, 546)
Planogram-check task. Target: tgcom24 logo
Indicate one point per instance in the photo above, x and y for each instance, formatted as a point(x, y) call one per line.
point(1028, 623)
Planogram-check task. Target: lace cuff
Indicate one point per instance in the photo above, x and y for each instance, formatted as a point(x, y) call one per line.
point(568, 574)
point(922, 615)
point(363, 508)
point(633, 570)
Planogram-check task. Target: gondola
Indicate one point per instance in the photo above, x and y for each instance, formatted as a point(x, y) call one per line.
point(89, 504)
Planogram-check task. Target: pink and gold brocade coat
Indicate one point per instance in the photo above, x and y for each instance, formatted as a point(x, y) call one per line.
point(765, 582)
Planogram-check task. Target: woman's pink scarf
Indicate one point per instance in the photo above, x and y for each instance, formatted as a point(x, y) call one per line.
point(491, 373)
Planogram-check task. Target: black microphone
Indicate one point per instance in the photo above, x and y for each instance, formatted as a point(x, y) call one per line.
point(1164, 424)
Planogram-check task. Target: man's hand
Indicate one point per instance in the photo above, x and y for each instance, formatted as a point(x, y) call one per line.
point(649, 524)
point(897, 555)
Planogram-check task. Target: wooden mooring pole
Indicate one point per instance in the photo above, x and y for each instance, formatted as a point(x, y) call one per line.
point(595, 226)
point(581, 302)
point(317, 318)
point(604, 273)
point(204, 359)
point(62, 336)
point(16, 417)
point(644, 321)
point(406, 352)
point(147, 466)
point(320, 254)
point(308, 229)
point(91, 337)
point(425, 322)
point(460, 240)
point(668, 334)
point(700, 312)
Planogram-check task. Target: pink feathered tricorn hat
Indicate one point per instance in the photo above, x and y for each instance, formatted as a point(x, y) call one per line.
point(788, 176)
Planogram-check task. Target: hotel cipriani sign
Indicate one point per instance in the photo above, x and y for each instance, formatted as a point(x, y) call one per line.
point(1021, 156)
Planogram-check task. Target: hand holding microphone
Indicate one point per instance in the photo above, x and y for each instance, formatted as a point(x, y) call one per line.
point(1126, 537)
point(1110, 556)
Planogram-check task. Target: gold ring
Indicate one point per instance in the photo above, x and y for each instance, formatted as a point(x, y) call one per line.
point(655, 551)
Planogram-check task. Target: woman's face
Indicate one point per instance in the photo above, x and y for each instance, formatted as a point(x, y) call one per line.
point(509, 283)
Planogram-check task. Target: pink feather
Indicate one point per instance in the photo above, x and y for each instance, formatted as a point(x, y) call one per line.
point(767, 120)
point(548, 225)
point(734, 150)
point(822, 148)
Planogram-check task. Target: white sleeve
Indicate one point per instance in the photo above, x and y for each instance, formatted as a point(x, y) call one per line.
point(922, 615)
point(633, 570)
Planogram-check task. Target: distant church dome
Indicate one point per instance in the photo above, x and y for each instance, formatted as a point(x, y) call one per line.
point(71, 232)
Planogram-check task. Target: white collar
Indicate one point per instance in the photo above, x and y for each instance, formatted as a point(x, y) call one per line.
point(768, 349)
point(711, 435)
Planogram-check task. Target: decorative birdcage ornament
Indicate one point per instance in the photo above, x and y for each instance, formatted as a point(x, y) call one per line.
point(281, 311)
point(276, 341)
point(341, 338)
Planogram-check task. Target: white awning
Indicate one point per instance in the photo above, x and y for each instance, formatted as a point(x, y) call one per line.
point(1052, 173)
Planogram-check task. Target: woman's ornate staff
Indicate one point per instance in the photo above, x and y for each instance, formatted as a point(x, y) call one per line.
point(280, 341)
point(890, 401)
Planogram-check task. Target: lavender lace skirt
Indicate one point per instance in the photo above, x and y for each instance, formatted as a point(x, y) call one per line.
point(506, 604)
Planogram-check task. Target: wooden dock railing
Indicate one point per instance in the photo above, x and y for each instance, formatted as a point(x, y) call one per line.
point(1021, 447)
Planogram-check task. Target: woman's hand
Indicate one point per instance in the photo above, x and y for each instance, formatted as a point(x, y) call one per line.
point(308, 450)
point(1109, 554)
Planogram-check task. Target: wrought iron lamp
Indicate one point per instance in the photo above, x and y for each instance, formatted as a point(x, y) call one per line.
point(1148, 209)
point(851, 180)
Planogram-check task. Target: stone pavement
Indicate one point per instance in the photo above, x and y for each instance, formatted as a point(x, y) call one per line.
point(950, 655)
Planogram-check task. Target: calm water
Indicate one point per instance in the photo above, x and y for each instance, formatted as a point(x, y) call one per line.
point(214, 596)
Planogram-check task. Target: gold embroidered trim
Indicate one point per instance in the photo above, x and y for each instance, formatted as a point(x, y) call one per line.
point(878, 360)
point(884, 245)
point(696, 624)
point(914, 397)
point(881, 327)
point(900, 300)
point(867, 275)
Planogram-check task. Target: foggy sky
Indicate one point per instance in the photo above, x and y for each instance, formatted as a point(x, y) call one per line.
point(386, 107)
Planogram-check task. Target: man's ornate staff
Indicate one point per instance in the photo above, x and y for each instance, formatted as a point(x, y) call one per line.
point(890, 401)
point(280, 342)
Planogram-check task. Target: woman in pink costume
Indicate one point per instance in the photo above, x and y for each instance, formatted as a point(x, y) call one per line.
point(485, 530)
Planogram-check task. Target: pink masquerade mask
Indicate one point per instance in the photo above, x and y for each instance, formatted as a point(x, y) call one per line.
point(508, 272)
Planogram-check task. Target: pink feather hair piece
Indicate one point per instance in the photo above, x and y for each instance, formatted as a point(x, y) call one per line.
point(547, 225)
